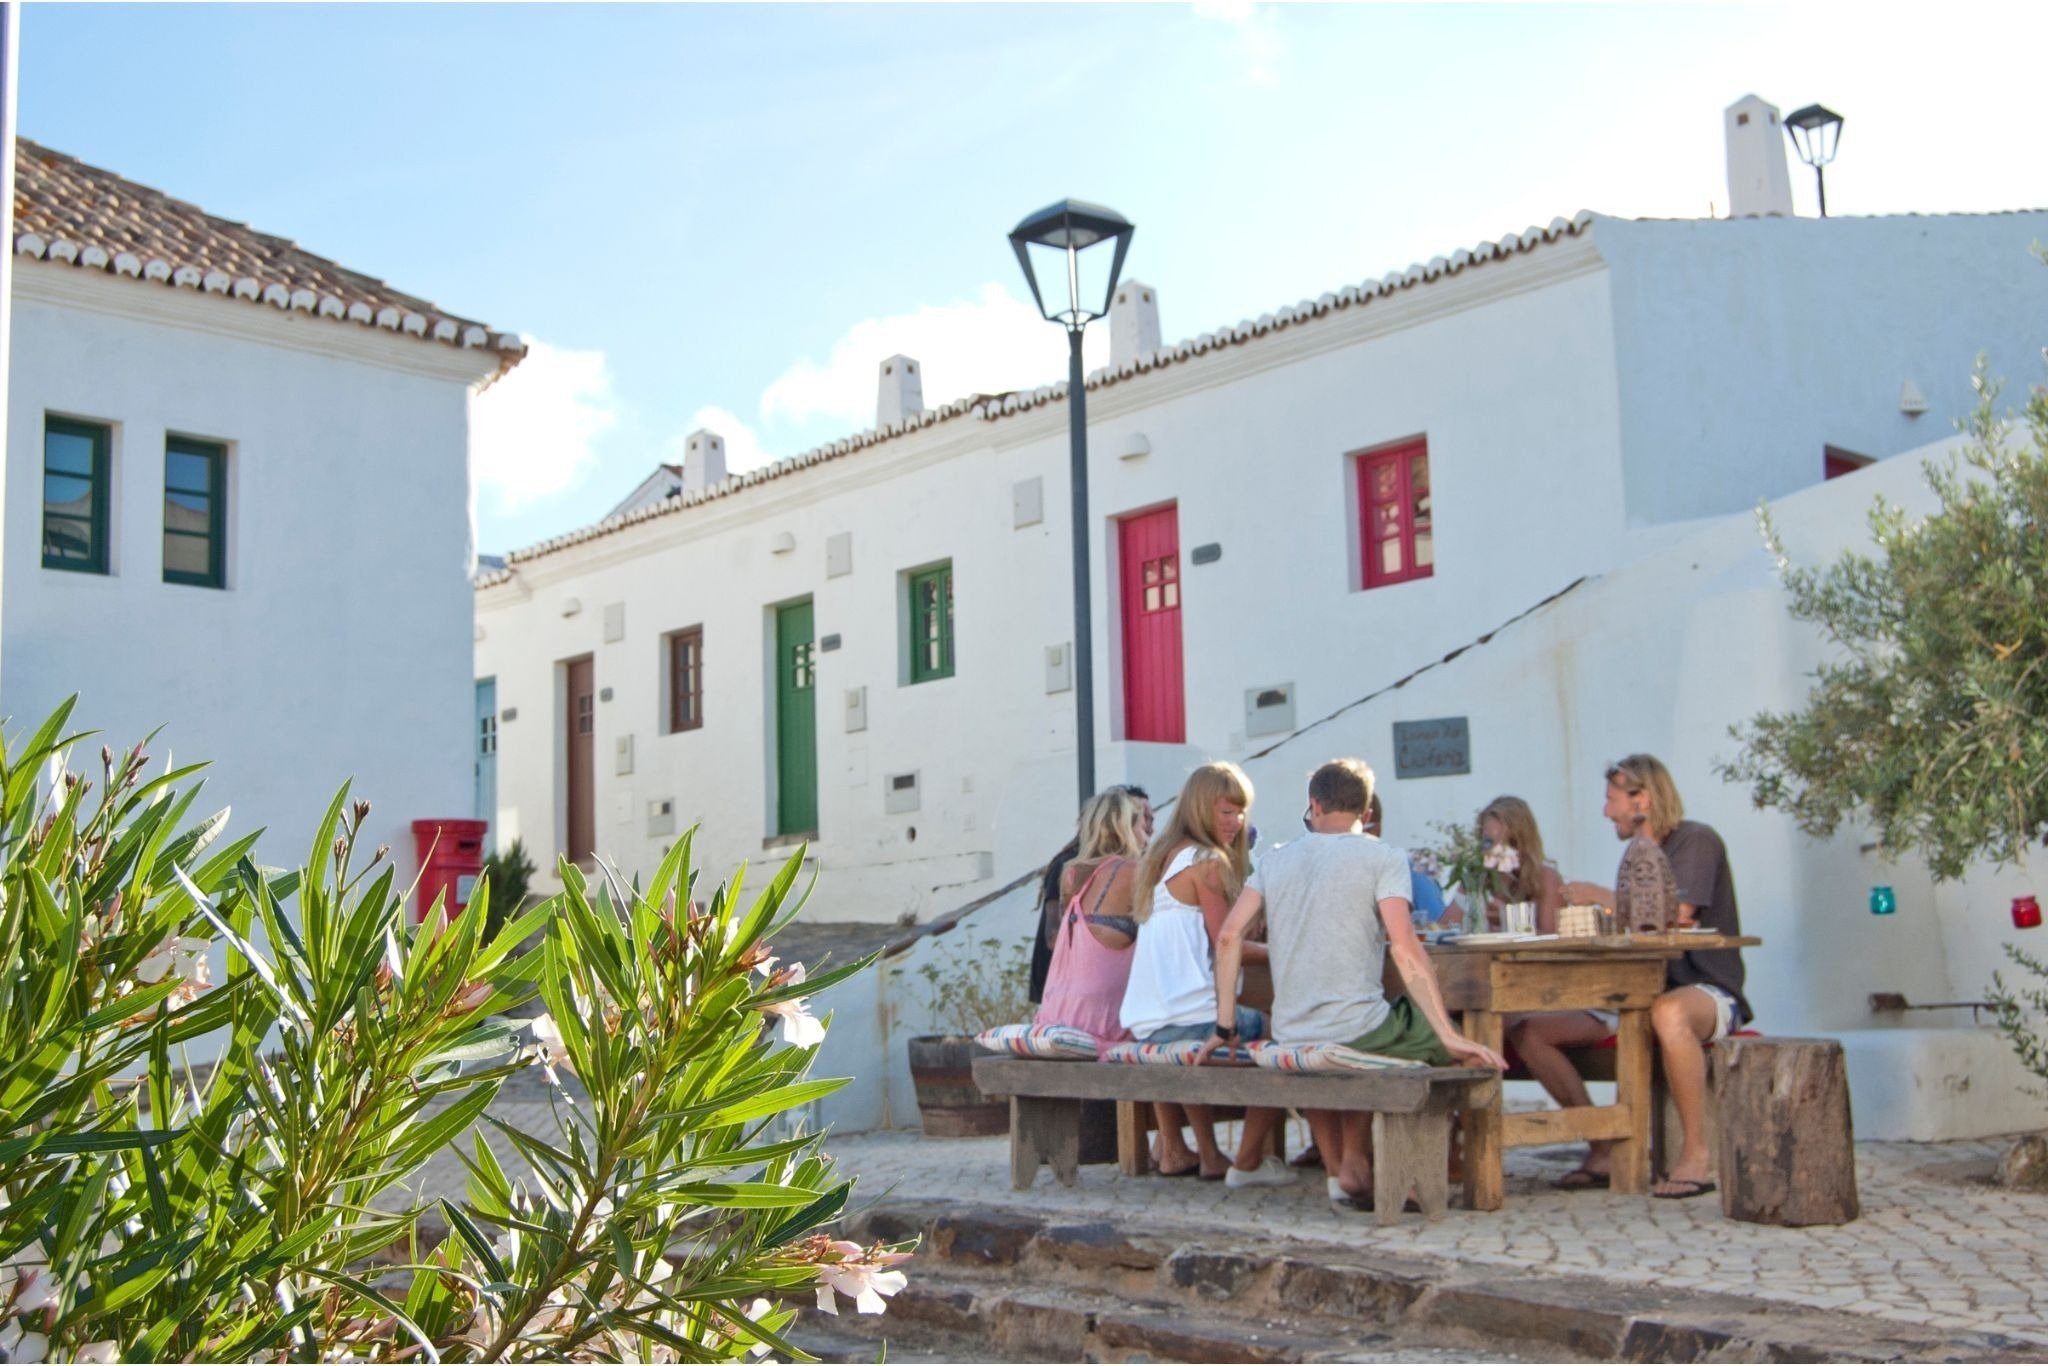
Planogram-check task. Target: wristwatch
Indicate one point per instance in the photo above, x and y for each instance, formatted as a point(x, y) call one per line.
point(1227, 1033)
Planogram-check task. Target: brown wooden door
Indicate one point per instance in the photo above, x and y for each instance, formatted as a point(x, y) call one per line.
point(580, 753)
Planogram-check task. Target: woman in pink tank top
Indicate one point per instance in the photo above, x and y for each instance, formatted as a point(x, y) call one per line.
point(1091, 952)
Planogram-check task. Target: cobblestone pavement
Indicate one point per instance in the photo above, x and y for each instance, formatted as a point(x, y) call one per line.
point(1937, 1245)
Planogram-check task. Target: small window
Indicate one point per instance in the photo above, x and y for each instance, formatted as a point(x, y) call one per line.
point(686, 679)
point(931, 624)
point(1836, 462)
point(75, 460)
point(1394, 521)
point(195, 512)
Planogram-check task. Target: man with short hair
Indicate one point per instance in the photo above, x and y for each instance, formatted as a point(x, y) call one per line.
point(1336, 905)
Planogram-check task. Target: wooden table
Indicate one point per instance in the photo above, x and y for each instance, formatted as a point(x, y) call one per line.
point(1483, 983)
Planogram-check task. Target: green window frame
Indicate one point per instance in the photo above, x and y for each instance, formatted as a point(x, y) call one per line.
point(931, 623)
point(75, 540)
point(195, 512)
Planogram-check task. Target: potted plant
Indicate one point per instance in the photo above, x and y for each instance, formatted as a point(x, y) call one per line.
point(963, 989)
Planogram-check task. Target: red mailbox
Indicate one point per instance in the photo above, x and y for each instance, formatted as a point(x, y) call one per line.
point(451, 857)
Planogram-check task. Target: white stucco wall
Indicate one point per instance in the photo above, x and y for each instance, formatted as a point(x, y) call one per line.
point(1505, 371)
point(340, 648)
point(1748, 345)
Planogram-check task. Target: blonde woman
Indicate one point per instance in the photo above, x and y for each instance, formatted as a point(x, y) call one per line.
point(1180, 896)
point(1091, 946)
point(1673, 871)
point(1507, 823)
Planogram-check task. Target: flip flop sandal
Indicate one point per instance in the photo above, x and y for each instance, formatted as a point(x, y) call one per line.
point(1692, 1189)
point(1582, 1180)
point(1206, 1177)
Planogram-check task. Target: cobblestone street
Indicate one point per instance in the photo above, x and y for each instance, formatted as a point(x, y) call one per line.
point(1937, 1245)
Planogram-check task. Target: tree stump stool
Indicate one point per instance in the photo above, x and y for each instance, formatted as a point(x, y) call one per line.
point(1785, 1151)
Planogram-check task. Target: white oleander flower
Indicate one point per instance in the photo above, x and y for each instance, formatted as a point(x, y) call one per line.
point(800, 1028)
point(547, 1047)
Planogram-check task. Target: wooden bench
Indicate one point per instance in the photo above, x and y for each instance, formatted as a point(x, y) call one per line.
point(1410, 1108)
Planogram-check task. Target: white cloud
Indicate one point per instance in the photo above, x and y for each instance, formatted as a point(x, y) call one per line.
point(1257, 35)
point(534, 432)
point(742, 443)
point(984, 345)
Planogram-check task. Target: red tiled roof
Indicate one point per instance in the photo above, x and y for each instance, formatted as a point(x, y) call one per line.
point(69, 213)
point(995, 407)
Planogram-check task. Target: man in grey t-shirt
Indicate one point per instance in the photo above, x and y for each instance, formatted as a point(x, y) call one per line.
point(1336, 904)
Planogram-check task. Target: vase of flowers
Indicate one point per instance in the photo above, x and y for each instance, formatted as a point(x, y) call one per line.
point(1478, 868)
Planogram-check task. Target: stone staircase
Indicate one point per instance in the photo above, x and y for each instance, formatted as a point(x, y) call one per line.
point(998, 1285)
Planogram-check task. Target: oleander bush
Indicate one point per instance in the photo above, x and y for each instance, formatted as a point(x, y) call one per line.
point(202, 1169)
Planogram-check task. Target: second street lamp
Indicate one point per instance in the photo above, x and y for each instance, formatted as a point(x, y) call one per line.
point(1815, 132)
point(1070, 235)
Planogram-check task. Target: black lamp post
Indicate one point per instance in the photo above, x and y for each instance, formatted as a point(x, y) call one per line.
point(1065, 232)
point(1816, 131)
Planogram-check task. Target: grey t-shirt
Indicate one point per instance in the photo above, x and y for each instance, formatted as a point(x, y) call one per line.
point(1323, 933)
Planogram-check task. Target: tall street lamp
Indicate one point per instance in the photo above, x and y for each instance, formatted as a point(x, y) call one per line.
point(1068, 235)
point(1816, 131)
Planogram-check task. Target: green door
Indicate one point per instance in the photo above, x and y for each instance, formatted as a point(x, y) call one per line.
point(796, 722)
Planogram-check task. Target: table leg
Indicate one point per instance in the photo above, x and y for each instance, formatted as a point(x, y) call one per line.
point(1633, 1062)
point(1484, 1186)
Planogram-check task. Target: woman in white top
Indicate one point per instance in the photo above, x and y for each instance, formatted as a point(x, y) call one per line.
point(1191, 874)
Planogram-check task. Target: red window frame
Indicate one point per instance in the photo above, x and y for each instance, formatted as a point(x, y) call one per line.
point(1394, 506)
point(1836, 462)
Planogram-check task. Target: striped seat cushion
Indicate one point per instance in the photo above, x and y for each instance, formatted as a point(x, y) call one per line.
point(1323, 1057)
point(1180, 1054)
point(1062, 1043)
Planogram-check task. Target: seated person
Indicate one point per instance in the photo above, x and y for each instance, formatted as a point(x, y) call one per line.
point(1091, 946)
point(1052, 903)
point(1179, 897)
point(1335, 906)
point(1675, 871)
point(1508, 823)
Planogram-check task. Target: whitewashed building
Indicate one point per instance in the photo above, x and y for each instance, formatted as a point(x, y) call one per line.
point(867, 647)
point(238, 505)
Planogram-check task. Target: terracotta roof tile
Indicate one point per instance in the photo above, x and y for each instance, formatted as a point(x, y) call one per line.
point(69, 213)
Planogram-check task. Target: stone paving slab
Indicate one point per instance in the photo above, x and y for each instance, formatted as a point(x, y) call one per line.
point(1934, 1247)
point(1937, 1245)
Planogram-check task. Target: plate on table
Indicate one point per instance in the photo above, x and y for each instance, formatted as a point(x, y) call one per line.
point(1498, 938)
point(1697, 929)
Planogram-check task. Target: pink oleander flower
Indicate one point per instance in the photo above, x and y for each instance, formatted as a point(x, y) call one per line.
point(860, 1275)
point(1503, 858)
point(800, 1028)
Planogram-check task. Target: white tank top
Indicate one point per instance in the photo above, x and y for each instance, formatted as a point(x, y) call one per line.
point(1173, 969)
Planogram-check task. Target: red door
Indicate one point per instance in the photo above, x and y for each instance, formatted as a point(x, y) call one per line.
point(1149, 552)
point(580, 724)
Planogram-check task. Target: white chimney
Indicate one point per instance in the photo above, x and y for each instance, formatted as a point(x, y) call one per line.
point(1133, 322)
point(703, 460)
point(901, 392)
point(1757, 179)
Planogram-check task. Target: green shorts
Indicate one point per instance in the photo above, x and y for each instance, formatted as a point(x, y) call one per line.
point(1405, 1033)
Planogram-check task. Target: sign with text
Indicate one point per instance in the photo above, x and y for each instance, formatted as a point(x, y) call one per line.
point(1432, 749)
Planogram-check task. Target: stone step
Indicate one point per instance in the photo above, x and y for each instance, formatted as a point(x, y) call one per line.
point(989, 1269)
point(947, 1314)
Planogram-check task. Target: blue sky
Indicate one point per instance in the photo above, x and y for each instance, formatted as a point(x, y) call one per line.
point(728, 215)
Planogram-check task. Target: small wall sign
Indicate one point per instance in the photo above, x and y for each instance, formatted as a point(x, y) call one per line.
point(1438, 748)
